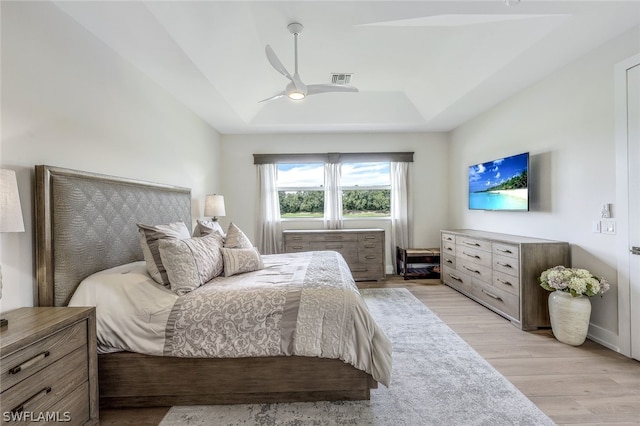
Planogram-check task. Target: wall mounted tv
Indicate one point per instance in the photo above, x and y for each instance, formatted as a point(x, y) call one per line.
point(501, 184)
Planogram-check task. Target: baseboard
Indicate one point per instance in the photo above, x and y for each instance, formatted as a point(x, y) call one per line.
point(605, 338)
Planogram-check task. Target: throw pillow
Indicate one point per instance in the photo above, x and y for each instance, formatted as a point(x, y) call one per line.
point(150, 235)
point(236, 238)
point(238, 261)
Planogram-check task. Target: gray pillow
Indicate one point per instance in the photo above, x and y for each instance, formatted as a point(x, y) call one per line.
point(205, 227)
point(236, 238)
point(238, 261)
point(150, 235)
point(191, 262)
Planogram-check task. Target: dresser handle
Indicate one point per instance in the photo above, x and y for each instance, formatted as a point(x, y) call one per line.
point(475, 256)
point(20, 407)
point(500, 280)
point(29, 363)
point(475, 271)
point(491, 295)
point(456, 278)
point(448, 260)
point(297, 247)
point(371, 256)
point(506, 265)
point(503, 250)
point(369, 246)
point(296, 238)
point(449, 248)
point(370, 237)
point(469, 243)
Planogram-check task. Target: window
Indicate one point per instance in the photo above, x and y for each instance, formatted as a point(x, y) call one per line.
point(366, 189)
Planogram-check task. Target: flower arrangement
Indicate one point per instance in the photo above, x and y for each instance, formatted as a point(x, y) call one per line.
point(576, 281)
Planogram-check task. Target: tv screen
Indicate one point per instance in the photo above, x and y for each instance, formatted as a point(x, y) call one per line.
point(500, 184)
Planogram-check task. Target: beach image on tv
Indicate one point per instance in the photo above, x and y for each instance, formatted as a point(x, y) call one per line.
point(500, 184)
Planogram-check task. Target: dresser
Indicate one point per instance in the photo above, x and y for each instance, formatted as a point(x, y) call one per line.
point(501, 272)
point(363, 249)
point(48, 366)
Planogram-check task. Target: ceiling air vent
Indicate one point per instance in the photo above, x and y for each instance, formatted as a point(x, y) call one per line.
point(341, 78)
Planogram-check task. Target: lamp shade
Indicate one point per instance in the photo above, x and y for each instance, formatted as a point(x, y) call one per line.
point(214, 206)
point(10, 209)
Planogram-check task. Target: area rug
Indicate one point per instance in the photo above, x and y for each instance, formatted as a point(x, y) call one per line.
point(437, 379)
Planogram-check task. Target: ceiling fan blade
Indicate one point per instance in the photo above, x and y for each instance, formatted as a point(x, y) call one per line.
point(300, 86)
point(327, 88)
point(275, 62)
point(276, 96)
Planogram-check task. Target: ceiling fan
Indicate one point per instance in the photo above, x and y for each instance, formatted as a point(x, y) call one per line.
point(296, 89)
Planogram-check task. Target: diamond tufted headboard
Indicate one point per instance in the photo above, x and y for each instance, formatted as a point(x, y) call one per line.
point(86, 222)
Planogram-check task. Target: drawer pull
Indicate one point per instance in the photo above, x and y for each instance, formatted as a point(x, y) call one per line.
point(371, 256)
point(333, 237)
point(29, 363)
point(296, 238)
point(370, 237)
point(449, 248)
point(506, 265)
point(359, 269)
point(330, 247)
point(448, 260)
point(297, 247)
point(471, 243)
point(504, 250)
point(448, 238)
point(491, 295)
point(369, 246)
point(20, 407)
point(475, 256)
point(500, 280)
point(455, 277)
point(475, 271)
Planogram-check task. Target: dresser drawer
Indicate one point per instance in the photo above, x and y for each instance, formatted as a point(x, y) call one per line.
point(505, 250)
point(448, 238)
point(507, 265)
point(449, 260)
point(333, 236)
point(465, 241)
point(43, 389)
point(474, 255)
point(371, 238)
point(498, 299)
point(448, 248)
point(25, 362)
point(506, 282)
point(457, 279)
point(367, 271)
point(483, 273)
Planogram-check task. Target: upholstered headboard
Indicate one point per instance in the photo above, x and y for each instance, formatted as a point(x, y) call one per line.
point(86, 222)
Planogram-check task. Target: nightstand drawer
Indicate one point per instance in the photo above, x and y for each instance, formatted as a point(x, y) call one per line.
point(46, 387)
point(25, 362)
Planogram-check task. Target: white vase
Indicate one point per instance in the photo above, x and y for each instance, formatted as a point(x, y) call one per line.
point(569, 317)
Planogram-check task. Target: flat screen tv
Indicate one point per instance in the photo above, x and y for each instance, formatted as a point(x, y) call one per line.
point(501, 184)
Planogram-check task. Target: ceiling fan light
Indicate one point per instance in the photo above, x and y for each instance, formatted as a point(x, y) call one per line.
point(296, 96)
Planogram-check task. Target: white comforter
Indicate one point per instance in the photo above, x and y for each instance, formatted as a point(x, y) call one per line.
point(303, 304)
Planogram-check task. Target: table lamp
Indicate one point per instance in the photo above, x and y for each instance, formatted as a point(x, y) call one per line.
point(10, 212)
point(214, 206)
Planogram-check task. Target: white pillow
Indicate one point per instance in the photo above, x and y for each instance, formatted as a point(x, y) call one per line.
point(191, 262)
point(204, 227)
point(236, 238)
point(149, 237)
point(238, 261)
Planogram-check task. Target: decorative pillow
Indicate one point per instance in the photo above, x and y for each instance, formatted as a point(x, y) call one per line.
point(149, 237)
point(238, 261)
point(205, 227)
point(191, 262)
point(236, 238)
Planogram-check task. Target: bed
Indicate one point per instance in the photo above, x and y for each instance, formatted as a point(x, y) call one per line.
point(86, 223)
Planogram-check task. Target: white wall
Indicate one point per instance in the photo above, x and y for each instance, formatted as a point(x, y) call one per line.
point(69, 101)
point(566, 122)
point(429, 169)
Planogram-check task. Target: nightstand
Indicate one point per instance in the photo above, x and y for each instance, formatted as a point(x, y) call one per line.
point(49, 366)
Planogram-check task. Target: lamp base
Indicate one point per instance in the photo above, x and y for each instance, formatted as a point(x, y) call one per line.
point(4, 322)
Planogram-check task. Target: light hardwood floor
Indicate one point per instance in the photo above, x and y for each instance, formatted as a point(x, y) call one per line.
point(585, 385)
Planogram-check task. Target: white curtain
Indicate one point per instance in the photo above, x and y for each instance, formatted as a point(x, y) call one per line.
point(332, 196)
point(401, 206)
point(269, 226)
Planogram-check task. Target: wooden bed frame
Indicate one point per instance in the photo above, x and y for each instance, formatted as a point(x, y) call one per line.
point(86, 222)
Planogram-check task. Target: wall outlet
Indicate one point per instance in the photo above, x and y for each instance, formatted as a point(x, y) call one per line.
point(608, 227)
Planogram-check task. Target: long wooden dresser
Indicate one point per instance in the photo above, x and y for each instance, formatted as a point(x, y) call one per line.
point(363, 249)
point(501, 272)
point(49, 366)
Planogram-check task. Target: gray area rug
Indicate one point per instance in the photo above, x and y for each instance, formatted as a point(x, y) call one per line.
point(437, 379)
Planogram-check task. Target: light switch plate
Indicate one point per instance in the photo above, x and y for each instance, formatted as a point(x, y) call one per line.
point(608, 227)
